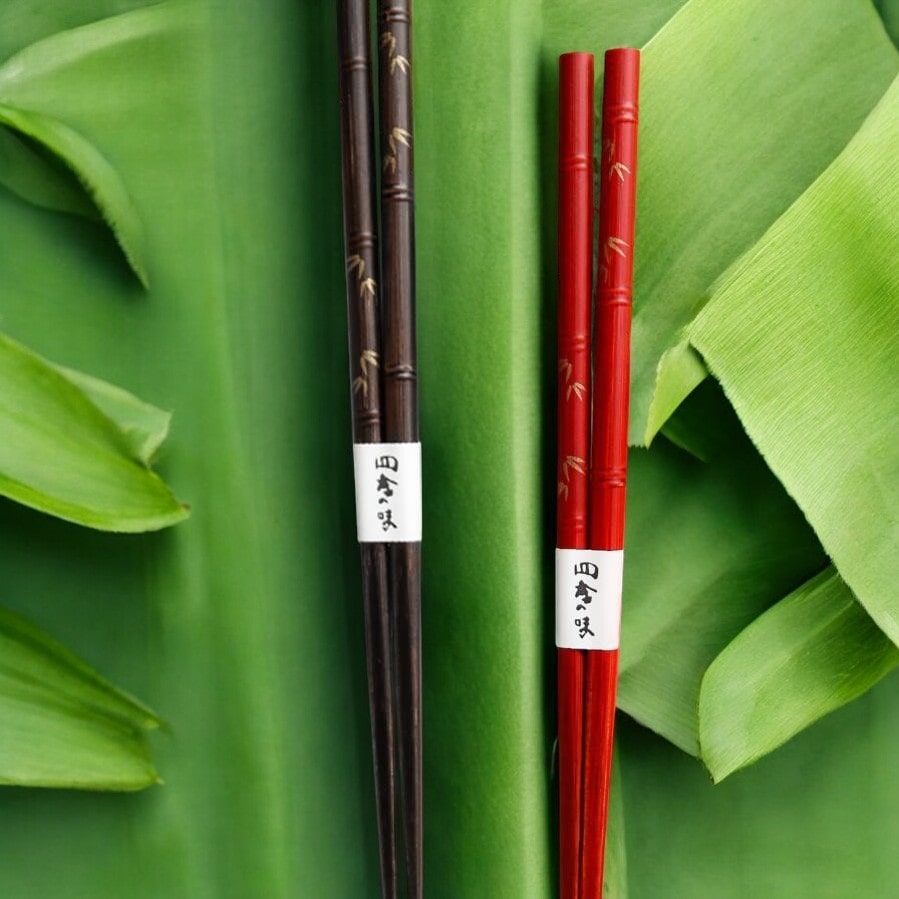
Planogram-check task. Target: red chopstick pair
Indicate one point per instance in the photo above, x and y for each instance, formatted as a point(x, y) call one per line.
point(592, 475)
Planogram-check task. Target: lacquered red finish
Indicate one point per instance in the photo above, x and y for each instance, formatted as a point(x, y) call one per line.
point(575, 271)
point(608, 471)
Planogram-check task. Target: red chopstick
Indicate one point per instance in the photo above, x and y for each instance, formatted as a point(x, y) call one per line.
point(608, 470)
point(575, 271)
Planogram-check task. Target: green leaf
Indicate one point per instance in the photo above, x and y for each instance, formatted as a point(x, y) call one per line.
point(804, 337)
point(61, 455)
point(30, 84)
point(98, 176)
point(721, 155)
point(32, 176)
point(709, 547)
point(144, 426)
point(63, 725)
point(681, 370)
point(813, 652)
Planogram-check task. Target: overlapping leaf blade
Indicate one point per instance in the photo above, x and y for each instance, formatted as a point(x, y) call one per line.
point(804, 337)
point(63, 725)
point(710, 546)
point(61, 455)
point(743, 105)
point(813, 652)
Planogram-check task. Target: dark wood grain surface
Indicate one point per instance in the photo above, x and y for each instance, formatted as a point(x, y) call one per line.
point(363, 329)
point(401, 396)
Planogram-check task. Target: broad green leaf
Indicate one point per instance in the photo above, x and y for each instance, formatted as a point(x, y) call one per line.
point(31, 72)
point(64, 725)
point(804, 337)
point(31, 176)
point(681, 370)
point(61, 455)
point(98, 176)
point(725, 87)
point(144, 426)
point(710, 545)
point(813, 652)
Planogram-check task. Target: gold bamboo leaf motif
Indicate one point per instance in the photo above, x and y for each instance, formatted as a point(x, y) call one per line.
point(395, 60)
point(388, 42)
point(367, 286)
point(577, 389)
point(398, 135)
point(368, 357)
point(565, 368)
point(616, 245)
point(619, 169)
point(356, 264)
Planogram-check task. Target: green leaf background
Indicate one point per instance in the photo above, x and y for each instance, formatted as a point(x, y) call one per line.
point(214, 129)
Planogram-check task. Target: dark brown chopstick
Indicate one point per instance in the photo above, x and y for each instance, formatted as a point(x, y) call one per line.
point(363, 328)
point(401, 397)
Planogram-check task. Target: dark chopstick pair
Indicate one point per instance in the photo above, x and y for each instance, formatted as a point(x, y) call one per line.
point(383, 374)
point(592, 473)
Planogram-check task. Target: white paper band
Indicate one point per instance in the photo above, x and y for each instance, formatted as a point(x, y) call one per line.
point(588, 598)
point(388, 492)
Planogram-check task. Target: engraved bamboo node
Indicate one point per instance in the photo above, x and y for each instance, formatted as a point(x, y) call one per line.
point(369, 417)
point(395, 14)
point(401, 372)
point(573, 345)
point(576, 162)
point(354, 63)
point(398, 192)
point(362, 240)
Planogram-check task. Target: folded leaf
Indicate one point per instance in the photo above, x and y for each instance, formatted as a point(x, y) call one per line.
point(98, 176)
point(709, 547)
point(813, 652)
point(722, 154)
point(36, 177)
point(64, 725)
point(27, 91)
point(61, 455)
point(804, 337)
point(144, 426)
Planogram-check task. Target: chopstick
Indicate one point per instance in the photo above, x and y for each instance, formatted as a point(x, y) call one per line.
point(608, 470)
point(401, 399)
point(363, 330)
point(575, 278)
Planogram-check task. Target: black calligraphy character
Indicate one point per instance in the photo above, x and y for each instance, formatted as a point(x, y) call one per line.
point(582, 592)
point(386, 519)
point(384, 487)
point(587, 568)
point(390, 462)
point(583, 627)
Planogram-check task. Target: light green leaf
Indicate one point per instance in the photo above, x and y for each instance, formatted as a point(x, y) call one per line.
point(61, 455)
point(723, 153)
point(64, 725)
point(144, 426)
point(709, 547)
point(95, 172)
point(681, 370)
point(813, 652)
point(804, 337)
